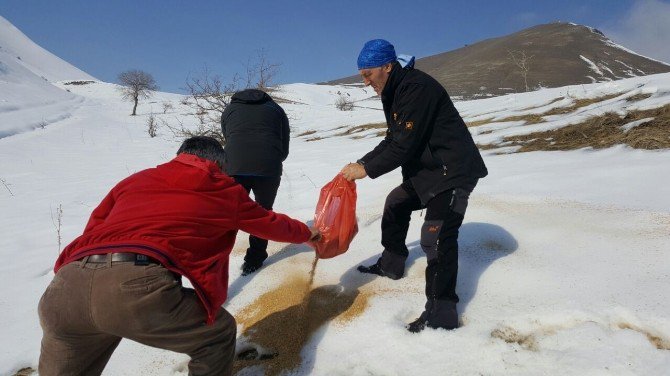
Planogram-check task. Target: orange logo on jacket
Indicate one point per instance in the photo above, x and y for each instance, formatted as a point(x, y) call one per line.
point(409, 125)
point(433, 228)
point(395, 116)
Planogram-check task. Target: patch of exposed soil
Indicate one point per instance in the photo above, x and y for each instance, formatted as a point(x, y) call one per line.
point(511, 335)
point(658, 341)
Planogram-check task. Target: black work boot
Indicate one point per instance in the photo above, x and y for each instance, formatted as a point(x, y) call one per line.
point(439, 314)
point(417, 325)
point(443, 315)
point(248, 268)
point(389, 265)
point(253, 260)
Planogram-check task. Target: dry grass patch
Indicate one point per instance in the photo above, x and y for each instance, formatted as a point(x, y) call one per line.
point(354, 131)
point(579, 103)
point(539, 118)
point(529, 119)
point(600, 132)
point(477, 123)
point(306, 133)
point(362, 128)
point(638, 97)
point(543, 105)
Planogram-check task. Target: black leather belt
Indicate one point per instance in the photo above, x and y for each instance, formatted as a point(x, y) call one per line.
point(137, 258)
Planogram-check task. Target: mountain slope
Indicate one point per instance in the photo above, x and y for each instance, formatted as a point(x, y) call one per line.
point(36, 59)
point(28, 97)
point(558, 54)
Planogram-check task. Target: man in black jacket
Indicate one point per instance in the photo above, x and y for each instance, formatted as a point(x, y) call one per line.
point(257, 137)
point(440, 164)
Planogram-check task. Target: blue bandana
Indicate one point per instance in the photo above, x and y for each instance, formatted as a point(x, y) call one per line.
point(376, 53)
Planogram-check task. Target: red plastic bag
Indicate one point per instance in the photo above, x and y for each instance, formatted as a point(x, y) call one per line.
point(335, 217)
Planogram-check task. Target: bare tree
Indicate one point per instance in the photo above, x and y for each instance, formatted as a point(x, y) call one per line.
point(522, 61)
point(136, 84)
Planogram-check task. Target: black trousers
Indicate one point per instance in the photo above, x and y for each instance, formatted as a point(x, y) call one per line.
point(439, 235)
point(264, 189)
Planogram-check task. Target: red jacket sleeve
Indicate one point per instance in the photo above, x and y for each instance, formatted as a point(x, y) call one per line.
point(266, 224)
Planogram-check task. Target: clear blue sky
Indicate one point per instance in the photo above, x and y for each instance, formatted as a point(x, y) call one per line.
point(313, 40)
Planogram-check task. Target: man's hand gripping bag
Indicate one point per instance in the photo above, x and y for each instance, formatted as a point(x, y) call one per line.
point(335, 217)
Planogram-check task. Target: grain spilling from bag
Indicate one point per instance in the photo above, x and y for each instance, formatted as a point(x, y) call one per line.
point(280, 322)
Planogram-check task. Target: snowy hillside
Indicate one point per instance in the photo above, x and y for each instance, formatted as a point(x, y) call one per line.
point(34, 58)
point(28, 99)
point(563, 252)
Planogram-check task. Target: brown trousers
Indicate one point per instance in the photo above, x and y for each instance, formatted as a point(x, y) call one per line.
point(89, 307)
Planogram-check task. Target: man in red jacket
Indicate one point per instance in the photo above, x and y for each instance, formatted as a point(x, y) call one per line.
point(122, 277)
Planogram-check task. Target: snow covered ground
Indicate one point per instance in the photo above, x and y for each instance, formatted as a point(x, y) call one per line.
point(564, 259)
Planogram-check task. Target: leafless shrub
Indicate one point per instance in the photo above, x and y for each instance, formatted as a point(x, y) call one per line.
point(4, 183)
point(344, 103)
point(57, 220)
point(79, 82)
point(208, 96)
point(152, 126)
point(136, 84)
point(167, 106)
point(202, 129)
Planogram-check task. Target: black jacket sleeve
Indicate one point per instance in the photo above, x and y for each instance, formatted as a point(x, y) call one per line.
point(416, 110)
point(378, 149)
point(285, 134)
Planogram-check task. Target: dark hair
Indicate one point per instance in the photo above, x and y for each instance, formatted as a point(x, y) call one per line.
point(204, 147)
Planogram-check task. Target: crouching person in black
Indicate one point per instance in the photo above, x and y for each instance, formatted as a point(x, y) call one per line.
point(440, 164)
